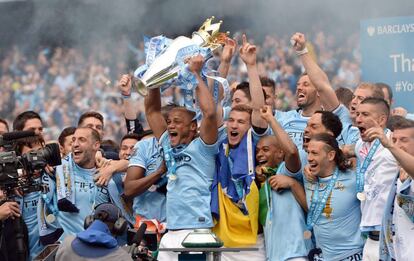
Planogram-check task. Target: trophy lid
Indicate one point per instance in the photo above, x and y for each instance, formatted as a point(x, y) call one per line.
point(210, 33)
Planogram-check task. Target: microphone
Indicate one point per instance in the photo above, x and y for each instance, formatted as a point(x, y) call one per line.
point(139, 235)
point(9, 136)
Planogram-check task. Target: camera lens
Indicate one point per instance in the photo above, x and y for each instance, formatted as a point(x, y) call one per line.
point(51, 154)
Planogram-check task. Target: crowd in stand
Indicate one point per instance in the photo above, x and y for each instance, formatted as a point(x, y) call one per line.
point(330, 180)
point(61, 83)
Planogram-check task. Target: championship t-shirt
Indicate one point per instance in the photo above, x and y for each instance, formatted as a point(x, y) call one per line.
point(150, 204)
point(189, 196)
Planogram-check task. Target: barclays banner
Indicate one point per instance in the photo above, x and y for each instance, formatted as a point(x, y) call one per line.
point(387, 49)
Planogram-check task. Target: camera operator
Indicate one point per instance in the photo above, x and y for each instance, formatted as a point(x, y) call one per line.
point(4, 127)
point(30, 199)
point(29, 120)
point(9, 212)
point(21, 195)
point(98, 241)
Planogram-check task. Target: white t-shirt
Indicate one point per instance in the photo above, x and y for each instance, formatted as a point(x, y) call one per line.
point(378, 181)
point(404, 229)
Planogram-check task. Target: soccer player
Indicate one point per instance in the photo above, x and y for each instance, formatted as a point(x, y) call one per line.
point(65, 140)
point(363, 90)
point(376, 171)
point(398, 223)
point(234, 192)
point(189, 158)
point(145, 182)
point(327, 95)
point(294, 121)
point(116, 184)
point(107, 168)
point(333, 208)
point(287, 199)
point(76, 190)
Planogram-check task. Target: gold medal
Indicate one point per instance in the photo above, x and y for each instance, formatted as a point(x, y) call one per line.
point(50, 218)
point(361, 196)
point(172, 177)
point(307, 234)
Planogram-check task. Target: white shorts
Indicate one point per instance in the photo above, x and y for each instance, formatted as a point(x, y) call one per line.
point(371, 250)
point(259, 255)
point(172, 239)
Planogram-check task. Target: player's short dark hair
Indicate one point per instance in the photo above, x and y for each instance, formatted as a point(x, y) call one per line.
point(245, 88)
point(344, 96)
point(331, 122)
point(242, 108)
point(380, 103)
point(266, 81)
point(131, 136)
point(90, 114)
point(191, 114)
point(65, 133)
point(332, 144)
point(402, 123)
point(382, 86)
point(95, 135)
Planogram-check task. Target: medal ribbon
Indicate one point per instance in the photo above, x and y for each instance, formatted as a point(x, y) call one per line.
point(268, 189)
point(317, 205)
point(362, 169)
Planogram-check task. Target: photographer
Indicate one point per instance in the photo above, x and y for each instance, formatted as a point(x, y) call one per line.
point(29, 120)
point(9, 211)
point(20, 184)
point(29, 196)
point(98, 241)
point(4, 127)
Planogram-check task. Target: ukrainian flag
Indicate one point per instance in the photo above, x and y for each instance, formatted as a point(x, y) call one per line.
point(235, 196)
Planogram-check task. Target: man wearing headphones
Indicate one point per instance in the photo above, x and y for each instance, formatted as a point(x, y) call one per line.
point(98, 241)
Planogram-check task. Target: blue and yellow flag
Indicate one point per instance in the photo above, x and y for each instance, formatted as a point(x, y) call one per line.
point(235, 196)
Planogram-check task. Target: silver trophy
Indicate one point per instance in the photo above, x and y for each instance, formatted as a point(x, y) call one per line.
point(167, 64)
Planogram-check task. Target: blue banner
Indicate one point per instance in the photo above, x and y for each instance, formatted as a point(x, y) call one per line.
point(387, 49)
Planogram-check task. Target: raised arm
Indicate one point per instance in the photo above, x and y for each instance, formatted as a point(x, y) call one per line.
point(405, 159)
point(153, 113)
point(248, 55)
point(224, 67)
point(226, 56)
point(292, 159)
point(130, 111)
point(208, 127)
point(318, 77)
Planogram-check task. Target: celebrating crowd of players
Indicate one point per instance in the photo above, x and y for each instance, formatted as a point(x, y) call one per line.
point(328, 181)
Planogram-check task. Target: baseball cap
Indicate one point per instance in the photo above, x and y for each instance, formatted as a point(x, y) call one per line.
point(96, 241)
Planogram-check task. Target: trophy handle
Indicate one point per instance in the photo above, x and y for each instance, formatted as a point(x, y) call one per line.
point(139, 85)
